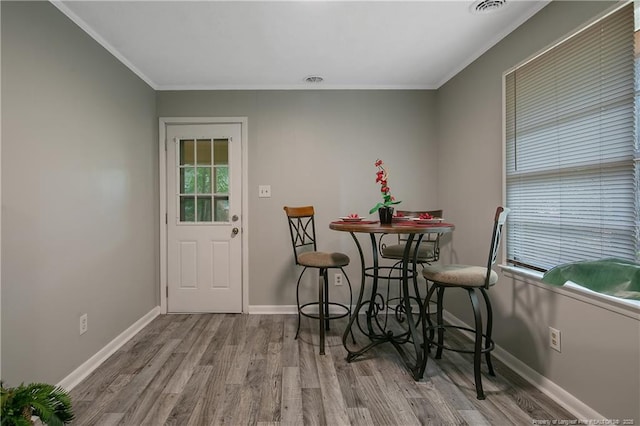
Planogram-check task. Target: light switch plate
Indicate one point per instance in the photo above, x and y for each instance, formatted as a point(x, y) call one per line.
point(264, 191)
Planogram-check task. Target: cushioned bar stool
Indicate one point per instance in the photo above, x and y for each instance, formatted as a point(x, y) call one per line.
point(473, 279)
point(429, 250)
point(303, 238)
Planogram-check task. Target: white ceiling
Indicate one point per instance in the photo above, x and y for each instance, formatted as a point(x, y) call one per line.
point(275, 45)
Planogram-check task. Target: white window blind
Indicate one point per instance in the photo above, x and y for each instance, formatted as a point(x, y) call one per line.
point(571, 168)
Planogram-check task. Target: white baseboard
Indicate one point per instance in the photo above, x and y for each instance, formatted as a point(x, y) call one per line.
point(546, 386)
point(94, 362)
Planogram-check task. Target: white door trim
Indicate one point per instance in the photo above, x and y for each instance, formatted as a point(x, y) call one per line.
point(162, 160)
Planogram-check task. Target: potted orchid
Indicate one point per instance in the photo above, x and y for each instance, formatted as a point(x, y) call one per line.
point(384, 208)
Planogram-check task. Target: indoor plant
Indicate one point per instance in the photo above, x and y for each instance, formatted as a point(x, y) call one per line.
point(384, 208)
point(51, 404)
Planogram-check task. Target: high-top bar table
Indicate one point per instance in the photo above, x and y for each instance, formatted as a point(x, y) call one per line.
point(406, 333)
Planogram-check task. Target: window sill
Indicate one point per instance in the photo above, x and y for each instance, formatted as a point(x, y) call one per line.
point(626, 307)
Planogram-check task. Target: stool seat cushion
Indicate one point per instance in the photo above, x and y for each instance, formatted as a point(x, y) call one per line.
point(396, 251)
point(320, 259)
point(459, 275)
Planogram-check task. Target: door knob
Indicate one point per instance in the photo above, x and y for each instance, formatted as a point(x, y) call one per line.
point(235, 231)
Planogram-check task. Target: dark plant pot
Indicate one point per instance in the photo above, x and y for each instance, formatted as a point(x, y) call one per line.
point(386, 215)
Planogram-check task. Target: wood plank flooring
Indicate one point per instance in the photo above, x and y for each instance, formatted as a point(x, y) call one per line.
point(214, 369)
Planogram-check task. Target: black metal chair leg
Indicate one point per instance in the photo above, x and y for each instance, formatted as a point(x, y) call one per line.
point(426, 307)
point(326, 299)
point(440, 322)
point(477, 354)
point(321, 311)
point(350, 303)
point(298, 302)
point(488, 343)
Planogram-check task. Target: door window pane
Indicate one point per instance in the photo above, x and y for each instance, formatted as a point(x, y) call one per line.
point(222, 209)
point(187, 209)
point(187, 152)
point(187, 180)
point(204, 151)
point(204, 209)
point(204, 180)
point(221, 151)
point(222, 180)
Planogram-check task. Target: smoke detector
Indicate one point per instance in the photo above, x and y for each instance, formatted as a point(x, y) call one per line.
point(487, 6)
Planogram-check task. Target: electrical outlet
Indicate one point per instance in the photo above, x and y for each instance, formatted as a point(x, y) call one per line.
point(264, 191)
point(83, 323)
point(337, 279)
point(554, 339)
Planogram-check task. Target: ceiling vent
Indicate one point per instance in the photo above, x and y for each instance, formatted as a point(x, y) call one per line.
point(314, 79)
point(487, 6)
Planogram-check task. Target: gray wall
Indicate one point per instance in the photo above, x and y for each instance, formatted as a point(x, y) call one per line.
point(79, 195)
point(319, 148)
point(600, 359)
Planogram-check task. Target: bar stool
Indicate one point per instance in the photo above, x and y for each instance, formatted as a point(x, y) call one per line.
point(428, 252)
point(473, 279)
point(303, 239)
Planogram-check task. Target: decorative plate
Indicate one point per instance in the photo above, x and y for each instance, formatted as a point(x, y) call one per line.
point(427, 221)
point(351, 219)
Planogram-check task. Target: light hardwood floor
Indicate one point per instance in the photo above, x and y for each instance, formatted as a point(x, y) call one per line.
point(215, 369)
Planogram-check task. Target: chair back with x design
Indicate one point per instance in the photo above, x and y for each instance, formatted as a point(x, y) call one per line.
point(302, 228)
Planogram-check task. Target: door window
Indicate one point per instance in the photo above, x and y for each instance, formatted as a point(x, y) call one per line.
point(203, 179)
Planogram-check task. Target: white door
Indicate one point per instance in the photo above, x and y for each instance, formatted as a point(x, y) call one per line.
point(204, 245)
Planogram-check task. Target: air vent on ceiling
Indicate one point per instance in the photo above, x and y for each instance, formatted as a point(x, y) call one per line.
point(487, 6)
point(314, 79)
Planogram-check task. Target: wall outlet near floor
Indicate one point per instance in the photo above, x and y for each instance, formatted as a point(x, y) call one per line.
point(83, 323)
point(337, 279)
point(554, 339)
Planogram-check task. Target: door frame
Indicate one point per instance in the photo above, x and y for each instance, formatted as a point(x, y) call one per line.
point(162, 161)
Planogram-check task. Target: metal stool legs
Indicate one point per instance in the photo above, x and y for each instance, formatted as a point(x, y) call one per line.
point(324, 316)
point(479, 332)
point(323, 306)
point(488, 342)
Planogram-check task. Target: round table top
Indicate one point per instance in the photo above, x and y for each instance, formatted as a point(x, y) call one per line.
point(394, 228)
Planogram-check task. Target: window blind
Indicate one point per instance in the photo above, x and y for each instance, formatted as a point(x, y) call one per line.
point(571, 171)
